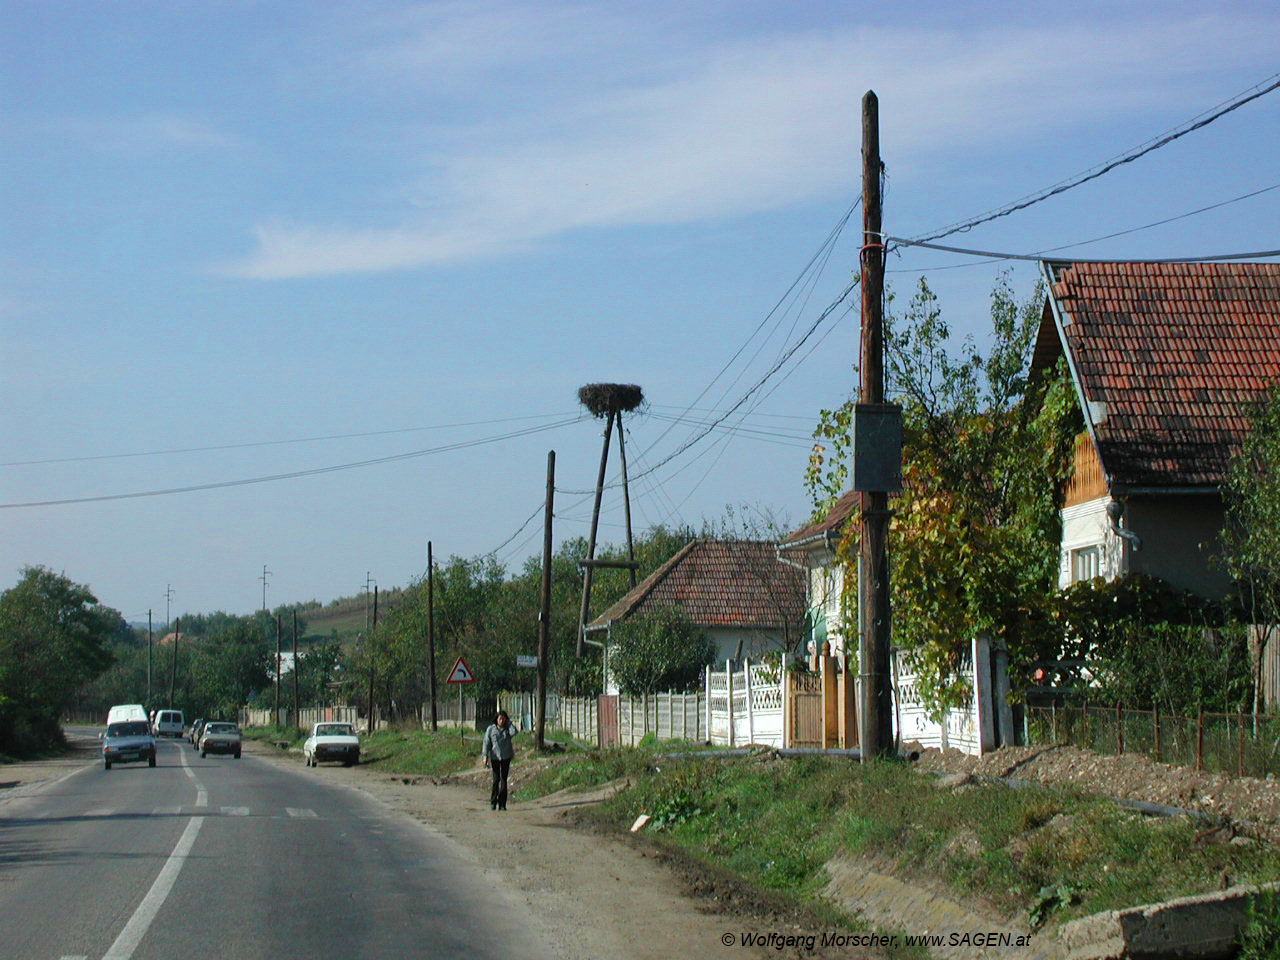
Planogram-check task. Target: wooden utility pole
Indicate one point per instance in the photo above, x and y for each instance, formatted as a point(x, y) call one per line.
point(173, 664)
point(544, 609)
point(369, 638)
point(431, 633)
point(275, 717)
point(876, 724)
point(591, 540)
point(626, 500)
point(148, 659)
point(296, 705)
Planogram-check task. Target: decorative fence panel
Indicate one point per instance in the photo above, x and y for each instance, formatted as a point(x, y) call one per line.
point(745, 706)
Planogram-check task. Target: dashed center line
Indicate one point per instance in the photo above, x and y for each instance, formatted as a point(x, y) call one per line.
point(300, 812)
point(235, 811)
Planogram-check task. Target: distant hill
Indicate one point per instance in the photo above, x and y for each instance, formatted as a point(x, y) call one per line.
point(344, 618)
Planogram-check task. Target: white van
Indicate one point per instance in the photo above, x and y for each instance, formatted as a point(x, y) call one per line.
point(168, 723)
point(126, 713)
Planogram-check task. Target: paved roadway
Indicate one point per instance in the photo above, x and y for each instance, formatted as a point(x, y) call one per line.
point(238, 859)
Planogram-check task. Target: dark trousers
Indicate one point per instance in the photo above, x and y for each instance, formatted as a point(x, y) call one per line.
point(498, 795)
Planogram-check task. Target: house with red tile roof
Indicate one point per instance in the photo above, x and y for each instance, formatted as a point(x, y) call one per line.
point(812, 549)
point(1165, 359)
point(736, 591)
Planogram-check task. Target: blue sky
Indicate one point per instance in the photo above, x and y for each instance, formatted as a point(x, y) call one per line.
point(252, 222)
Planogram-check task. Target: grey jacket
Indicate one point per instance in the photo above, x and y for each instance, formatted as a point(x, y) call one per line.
point(497, 742)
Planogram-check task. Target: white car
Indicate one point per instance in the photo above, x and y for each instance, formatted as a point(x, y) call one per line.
point(220, 737)
point(168, 723)
point(332, 741)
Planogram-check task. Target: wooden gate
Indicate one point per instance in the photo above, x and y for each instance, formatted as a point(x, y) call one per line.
point(610, 732)
point(804, 710)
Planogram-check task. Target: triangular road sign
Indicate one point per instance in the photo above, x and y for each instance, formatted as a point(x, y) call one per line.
point(461, 673)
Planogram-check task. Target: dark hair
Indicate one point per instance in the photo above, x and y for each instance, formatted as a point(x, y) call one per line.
point(502, 713)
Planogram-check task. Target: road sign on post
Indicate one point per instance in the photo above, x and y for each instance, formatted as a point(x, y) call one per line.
point(523, 661)
point(461, 673)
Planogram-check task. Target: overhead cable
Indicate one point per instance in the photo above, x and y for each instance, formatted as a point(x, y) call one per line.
point(293, 475)
point(1252, 255)
point(1255, 92)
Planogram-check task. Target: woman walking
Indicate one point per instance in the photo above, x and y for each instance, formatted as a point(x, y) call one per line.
point(498, 752)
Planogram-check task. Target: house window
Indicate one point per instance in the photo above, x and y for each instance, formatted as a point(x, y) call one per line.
point(1086, 563)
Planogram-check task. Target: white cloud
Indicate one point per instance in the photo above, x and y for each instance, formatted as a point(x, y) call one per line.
point(742, 127)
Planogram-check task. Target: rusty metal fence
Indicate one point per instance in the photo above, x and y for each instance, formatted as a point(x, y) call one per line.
point(1238, 744)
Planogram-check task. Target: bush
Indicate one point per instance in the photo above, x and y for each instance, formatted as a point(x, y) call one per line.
point(661, 651)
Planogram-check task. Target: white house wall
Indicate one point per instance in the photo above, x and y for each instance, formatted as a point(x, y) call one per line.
point(826, 584)
point(1086, 525)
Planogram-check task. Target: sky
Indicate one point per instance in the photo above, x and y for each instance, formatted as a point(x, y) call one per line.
point(261, 239)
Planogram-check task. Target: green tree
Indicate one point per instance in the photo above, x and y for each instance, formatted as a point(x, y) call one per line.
point(660, 651)
point(1251, 537)
point(230, 669)
point(54, 638)
point(986, 452)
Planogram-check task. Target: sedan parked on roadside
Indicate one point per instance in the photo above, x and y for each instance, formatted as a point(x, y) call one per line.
point(332, 741)
point(220, 737)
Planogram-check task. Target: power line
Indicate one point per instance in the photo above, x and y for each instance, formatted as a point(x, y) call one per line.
point(787, 354)
point(1251, 255)
point(460, 445)
point(273, 443)
point(1235, 103)
point(1108, 236)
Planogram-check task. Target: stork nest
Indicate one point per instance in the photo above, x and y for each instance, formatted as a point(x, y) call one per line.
point(603, 399)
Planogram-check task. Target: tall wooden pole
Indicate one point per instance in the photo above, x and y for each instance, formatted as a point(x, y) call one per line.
point(876, 729)
point(275, 717)
point(431, 633)
point(148, 659)
point(544, 609)
point(371, 671)
point(173, 664)
point(591, 541)
point(296, 706)
point(626, 498)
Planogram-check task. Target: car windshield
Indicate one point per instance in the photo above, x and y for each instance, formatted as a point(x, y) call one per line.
point(220, 728)
point(335, 730)
point(134, 728)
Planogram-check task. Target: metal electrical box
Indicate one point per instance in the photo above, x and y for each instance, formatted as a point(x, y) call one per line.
point(877, 447)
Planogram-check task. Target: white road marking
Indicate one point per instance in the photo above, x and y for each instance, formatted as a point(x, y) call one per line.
point(138, 924)
point(100, 812)
point(202, 795)
point(300, 812)
point(79, 956)
point(235, 811)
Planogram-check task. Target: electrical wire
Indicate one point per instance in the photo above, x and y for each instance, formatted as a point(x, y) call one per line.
point(1251, 255)
point(1109, 236)
point(315, 471)
point(274, 443)
point(1196, 123)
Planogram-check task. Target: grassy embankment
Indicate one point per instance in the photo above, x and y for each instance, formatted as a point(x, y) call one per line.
point(1051, 855)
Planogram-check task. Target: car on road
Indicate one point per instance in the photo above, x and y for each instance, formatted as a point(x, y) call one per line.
point(196, 727)
point(126, 711)
point(332, 741)
point(218, 736)
point(168, 723)
point(128, 741)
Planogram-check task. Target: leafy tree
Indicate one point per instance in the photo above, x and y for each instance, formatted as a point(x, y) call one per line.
point(660, 651)
point(986, 451)
point(232, 668)
point(54, 638)
point(1251, 538)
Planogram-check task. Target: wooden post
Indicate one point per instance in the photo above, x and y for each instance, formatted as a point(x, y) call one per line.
point(786, 704)
point(1119, 730)
point(1240, 724)
point(1200, 738)
point(876, 731)
point(1085, 722)
point(275, 716)
point(544, 609)
point(1053, 720)
point(173, 663)
point(591, 540)
point(1155, 723)
point(626, 499)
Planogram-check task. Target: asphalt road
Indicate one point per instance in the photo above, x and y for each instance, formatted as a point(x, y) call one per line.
point(238, 859)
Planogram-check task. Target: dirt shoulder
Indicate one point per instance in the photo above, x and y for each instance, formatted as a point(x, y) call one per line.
point(22, 778)
point(599, 892)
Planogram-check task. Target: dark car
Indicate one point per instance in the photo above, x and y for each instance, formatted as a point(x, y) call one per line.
point(128, 741)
